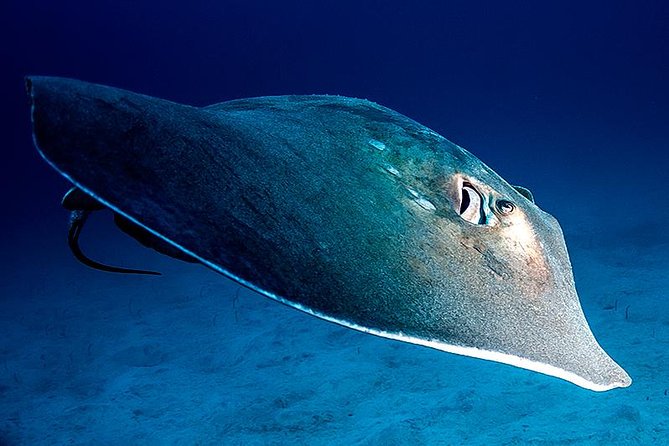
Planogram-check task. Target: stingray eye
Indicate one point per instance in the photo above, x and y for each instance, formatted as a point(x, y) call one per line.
point(471, 205)
point(505, 207)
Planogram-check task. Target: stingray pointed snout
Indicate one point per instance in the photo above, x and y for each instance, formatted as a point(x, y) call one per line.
point(571, 352)
point(550, 335)
point(583, 363)
point(605, 374)
point(600, 369)
point(619, 377)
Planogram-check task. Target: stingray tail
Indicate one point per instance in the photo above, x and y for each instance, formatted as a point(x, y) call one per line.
point(81, 205)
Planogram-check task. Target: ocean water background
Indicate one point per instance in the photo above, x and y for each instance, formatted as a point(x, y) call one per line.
point(569, 99)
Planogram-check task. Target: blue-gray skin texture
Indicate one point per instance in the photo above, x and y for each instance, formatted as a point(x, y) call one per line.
point(339, 207)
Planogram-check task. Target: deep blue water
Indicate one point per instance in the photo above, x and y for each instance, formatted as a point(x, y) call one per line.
point(570, 99)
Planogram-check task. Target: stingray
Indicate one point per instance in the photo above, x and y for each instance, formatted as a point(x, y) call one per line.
point(336, 206)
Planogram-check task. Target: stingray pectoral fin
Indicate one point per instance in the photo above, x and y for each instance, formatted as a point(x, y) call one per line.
point(77, 220)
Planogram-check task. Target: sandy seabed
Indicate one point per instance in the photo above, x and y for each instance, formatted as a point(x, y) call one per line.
point(191, 358)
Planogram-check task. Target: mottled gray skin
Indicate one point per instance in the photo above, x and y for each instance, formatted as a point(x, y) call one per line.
point(295, 196)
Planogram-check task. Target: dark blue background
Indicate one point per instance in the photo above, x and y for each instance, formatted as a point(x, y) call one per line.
point(567, 97)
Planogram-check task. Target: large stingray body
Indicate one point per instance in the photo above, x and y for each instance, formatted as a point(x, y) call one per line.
point(339, 207)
